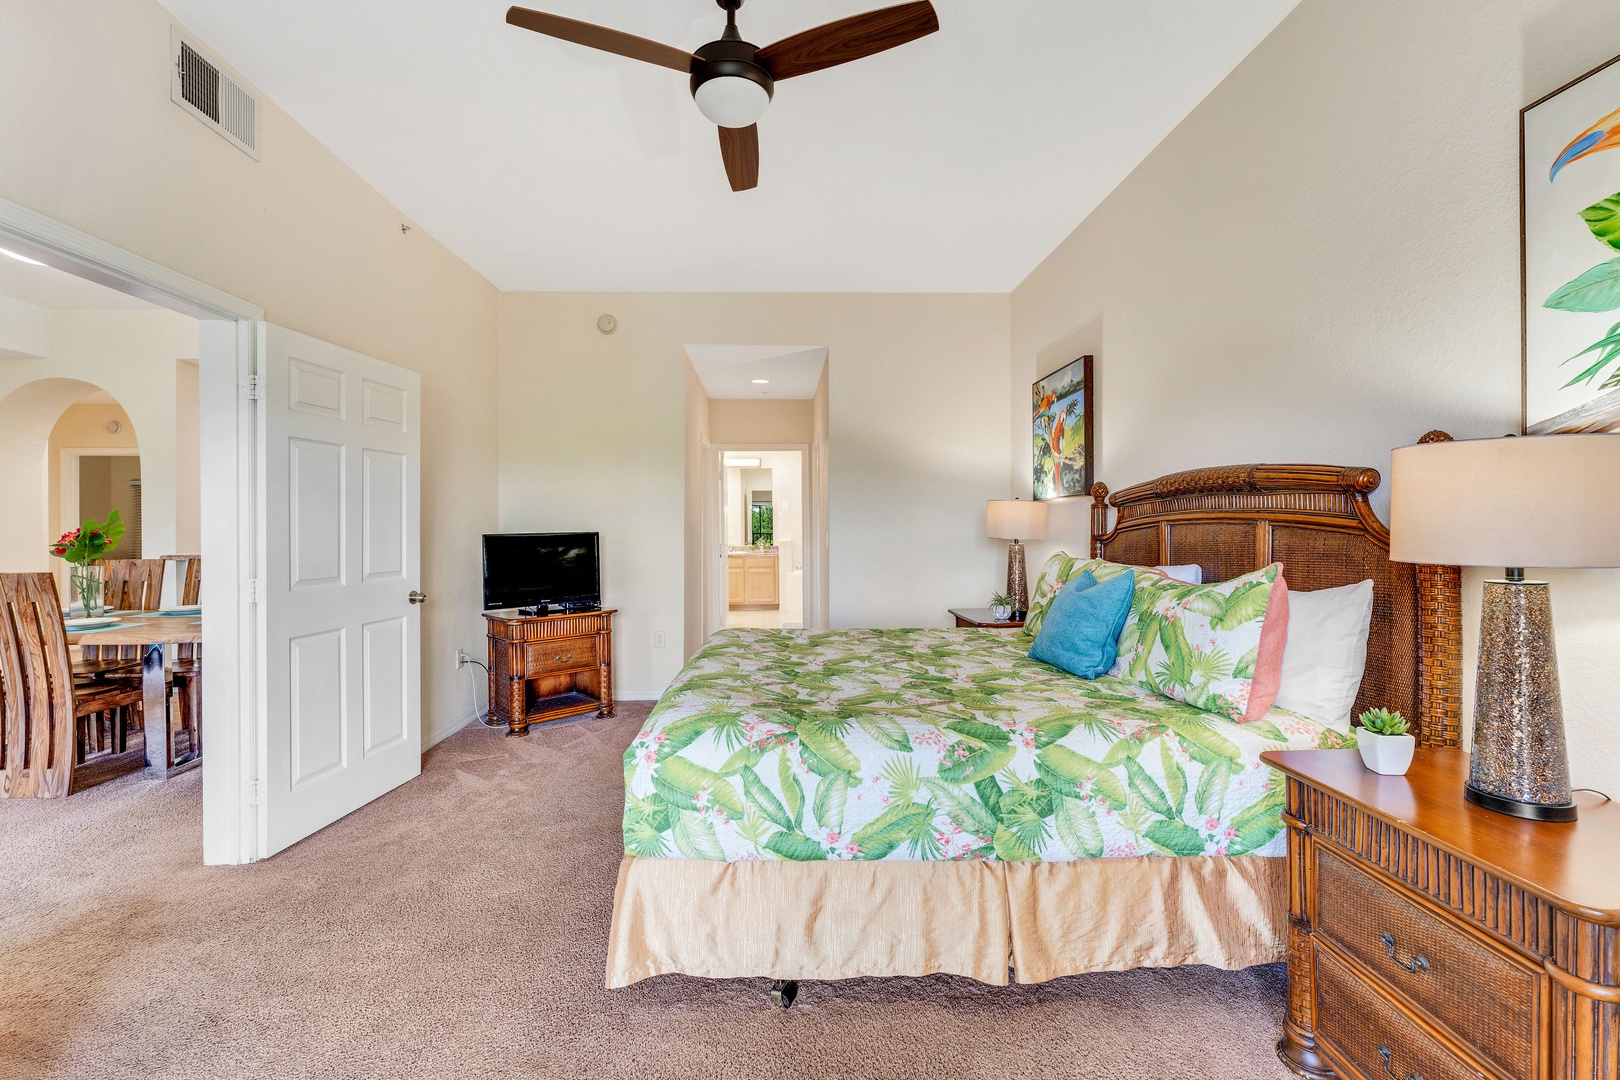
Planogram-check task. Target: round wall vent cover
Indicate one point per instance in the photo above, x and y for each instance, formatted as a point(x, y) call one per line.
point(607, 324)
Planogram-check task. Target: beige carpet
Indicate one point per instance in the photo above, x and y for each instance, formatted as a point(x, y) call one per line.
point(456, 928)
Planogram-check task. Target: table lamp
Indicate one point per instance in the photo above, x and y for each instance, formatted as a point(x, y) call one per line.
point(1540, 501)
point(1015, 520)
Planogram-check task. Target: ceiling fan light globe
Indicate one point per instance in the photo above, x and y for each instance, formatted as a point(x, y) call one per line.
point(731, 101)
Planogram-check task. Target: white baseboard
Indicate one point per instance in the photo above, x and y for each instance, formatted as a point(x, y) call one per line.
point(438, 735)
point(443, 732)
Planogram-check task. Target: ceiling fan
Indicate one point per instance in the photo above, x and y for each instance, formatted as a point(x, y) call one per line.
point(732, 80)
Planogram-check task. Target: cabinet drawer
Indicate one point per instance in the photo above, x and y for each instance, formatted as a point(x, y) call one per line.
point(1486, 997)
point(1372, 1036)
point(560, 654)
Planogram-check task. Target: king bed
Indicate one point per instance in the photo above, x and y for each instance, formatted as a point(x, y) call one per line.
point(841, 803)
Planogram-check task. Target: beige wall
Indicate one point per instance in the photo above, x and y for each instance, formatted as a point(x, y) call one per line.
point(592, 431)
point(188, 461)
point(81, 427)
point(131, 355)
point(298, 233)
point(761, 421)
point(697, 439)
point(1320, 264)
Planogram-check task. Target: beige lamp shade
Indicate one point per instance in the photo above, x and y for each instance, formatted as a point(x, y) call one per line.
point(1015, 519)
point(1540, 500)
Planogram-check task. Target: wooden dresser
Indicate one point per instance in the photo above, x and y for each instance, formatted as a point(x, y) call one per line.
point(1431, 939)
point(546, 667)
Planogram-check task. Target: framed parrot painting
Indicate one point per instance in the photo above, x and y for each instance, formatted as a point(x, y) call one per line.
point(1062, 430)
point(1570, 192)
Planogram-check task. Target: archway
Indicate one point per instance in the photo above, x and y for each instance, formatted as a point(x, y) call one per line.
point(27, 416)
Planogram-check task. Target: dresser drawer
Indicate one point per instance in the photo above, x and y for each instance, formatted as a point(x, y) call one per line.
point(1371, 1035)
point(560, 654)
point(1487, 998)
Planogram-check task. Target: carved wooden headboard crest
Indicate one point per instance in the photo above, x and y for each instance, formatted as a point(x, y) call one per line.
point(1317, 522)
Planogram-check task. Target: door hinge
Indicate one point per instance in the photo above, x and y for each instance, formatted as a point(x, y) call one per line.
point(253, 590)
point(253, 387)
point(255, 796)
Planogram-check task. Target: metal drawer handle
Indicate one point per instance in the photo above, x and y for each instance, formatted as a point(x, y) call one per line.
point(1419, 962)
point(565, 659)
point(1384, 1052)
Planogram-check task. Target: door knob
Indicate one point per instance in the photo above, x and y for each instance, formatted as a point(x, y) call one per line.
point(418, 597)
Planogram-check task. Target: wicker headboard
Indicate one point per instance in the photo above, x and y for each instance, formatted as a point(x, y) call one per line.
point(1315, 520)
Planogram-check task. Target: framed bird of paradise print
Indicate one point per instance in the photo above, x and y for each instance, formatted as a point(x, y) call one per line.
point(1062, 431)
point(1570, 207)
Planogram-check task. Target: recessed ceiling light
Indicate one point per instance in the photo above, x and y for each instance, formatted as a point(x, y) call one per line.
point(756, 382)
point(21, 258)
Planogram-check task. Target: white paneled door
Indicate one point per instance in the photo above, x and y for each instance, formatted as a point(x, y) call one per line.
point(341, 521)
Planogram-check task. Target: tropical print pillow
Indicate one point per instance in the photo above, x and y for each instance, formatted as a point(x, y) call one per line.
point(1059, 570)
point(1197, 643)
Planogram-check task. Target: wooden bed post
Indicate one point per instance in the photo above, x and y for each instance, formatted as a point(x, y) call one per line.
point(1099, 518)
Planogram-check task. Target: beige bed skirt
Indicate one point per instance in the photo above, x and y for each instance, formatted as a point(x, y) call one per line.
point(821, 920)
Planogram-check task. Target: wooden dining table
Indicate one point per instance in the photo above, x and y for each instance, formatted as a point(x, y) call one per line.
point(151, 632)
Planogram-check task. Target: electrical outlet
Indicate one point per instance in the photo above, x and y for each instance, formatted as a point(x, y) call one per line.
point(462, 659)
point(658, 639)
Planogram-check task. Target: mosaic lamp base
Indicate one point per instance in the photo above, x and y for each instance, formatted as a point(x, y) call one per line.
point(1520, 763)
point(1017, 582)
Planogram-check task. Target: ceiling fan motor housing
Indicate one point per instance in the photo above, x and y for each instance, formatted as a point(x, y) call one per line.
point(730, 60)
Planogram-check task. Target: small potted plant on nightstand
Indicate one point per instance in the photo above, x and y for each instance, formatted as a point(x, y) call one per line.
point(1001, 607)
point(1385, 743)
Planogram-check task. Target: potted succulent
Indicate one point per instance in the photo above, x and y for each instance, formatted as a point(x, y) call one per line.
point(1385, 742)
point(82, 549)
point(1001, 607)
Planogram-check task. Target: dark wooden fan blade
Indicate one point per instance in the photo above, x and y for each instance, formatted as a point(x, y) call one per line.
point(740, 149)
point(849, 39)
point(600, 37)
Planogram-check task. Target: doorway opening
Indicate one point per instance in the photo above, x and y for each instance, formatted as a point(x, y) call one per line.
point(100, 462)
point(762, 499)
point(756, 488)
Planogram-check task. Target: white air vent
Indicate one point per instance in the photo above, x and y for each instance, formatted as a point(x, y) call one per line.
point(207, 89)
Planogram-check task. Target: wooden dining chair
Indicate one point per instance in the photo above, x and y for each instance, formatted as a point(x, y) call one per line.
point(132, 585)
point(186, 689)
point(55, 737)
point(135, 584)
point(191, 577)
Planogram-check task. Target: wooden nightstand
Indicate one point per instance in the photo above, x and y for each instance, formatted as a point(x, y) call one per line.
point(980, 616)
point(1432, 938)
point(546, 667)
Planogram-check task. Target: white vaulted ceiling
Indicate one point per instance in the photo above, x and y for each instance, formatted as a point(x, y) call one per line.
point(955, 163)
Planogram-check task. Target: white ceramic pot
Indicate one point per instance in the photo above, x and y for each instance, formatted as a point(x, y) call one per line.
point(1001, 612)
point(1390, 755)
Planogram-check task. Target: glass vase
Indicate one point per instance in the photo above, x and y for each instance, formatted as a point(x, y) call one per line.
point(89, 582)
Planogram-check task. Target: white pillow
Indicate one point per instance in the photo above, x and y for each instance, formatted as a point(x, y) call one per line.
point(1192, 573)
point(1326, 652)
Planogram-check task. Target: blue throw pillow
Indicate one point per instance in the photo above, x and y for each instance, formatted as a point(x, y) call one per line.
point(1081, 631)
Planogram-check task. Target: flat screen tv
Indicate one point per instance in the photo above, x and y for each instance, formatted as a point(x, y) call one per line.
point(524, 570)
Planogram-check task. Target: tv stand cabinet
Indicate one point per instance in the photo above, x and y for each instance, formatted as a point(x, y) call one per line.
point(547, 667)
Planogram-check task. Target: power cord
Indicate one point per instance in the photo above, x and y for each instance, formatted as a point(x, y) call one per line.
point(1595, 791)
point(482, 715)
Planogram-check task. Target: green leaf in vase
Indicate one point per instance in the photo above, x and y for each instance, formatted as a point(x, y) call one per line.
point(1596, 290)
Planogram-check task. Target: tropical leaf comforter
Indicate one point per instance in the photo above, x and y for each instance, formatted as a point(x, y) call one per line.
point(935, 745)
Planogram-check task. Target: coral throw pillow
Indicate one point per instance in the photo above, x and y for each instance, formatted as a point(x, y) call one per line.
point(1216, 647)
